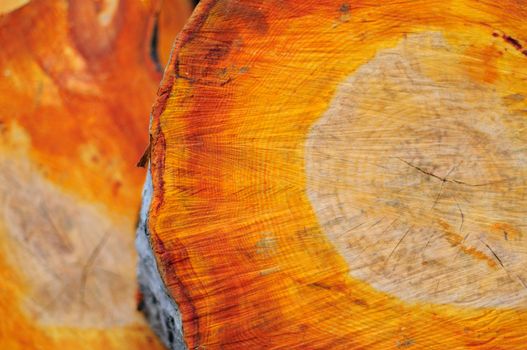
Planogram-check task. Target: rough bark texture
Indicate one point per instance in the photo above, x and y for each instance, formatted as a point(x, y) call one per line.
point(159, 308)
point(345, 175)
point(77, 82)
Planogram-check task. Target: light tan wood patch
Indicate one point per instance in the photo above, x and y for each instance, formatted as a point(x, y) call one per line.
point(418, 174)
point(77, 262)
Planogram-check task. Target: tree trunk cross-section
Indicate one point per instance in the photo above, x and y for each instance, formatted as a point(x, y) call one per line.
point(346, 175)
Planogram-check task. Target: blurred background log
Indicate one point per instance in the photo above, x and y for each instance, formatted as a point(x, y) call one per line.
point(341, 175)
point(77, 83)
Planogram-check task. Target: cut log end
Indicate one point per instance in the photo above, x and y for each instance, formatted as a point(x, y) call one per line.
point(76, 88)
point(345, 176)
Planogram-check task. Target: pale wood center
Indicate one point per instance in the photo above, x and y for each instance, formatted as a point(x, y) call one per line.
point(418, 175)
point(74, 258)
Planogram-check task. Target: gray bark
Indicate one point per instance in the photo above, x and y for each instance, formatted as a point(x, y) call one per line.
point(159, 308)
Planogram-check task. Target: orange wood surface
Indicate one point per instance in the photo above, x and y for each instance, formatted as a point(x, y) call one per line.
point(77, 83)
point(247, 114)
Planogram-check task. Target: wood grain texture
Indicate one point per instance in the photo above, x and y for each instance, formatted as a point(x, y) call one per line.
point(345, 175)
point(76, 86)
